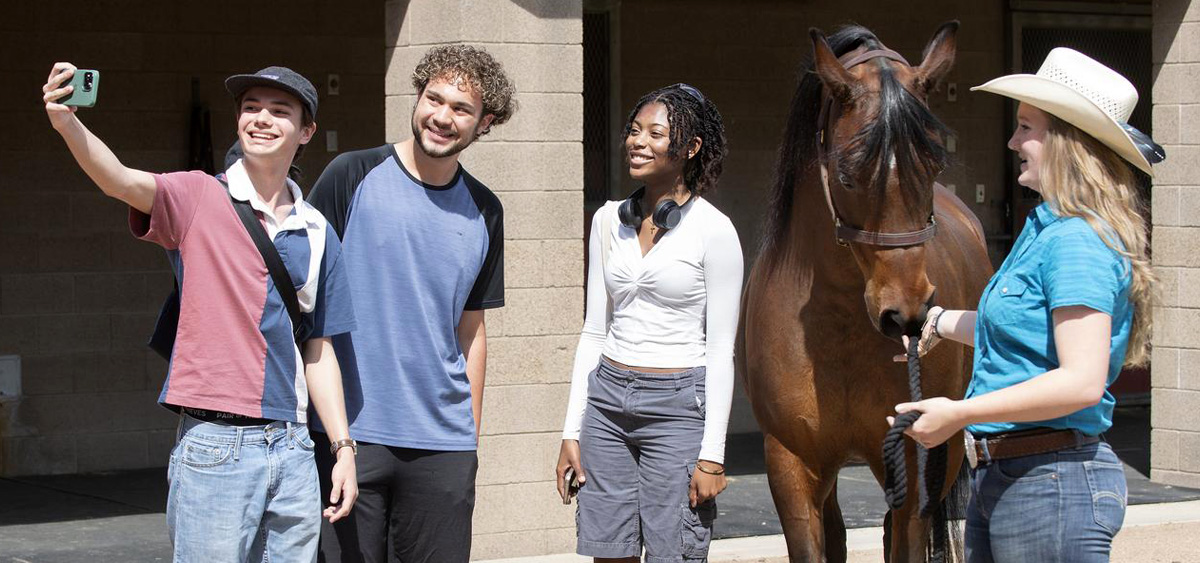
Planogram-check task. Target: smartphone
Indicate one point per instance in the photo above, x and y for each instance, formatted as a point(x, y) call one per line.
point(572, 484)
point(87, 86)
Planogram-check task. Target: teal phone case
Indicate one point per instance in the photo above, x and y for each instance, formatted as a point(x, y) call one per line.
point(87, 87)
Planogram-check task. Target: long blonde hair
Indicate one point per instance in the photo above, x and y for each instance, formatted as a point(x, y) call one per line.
point(1080, 177)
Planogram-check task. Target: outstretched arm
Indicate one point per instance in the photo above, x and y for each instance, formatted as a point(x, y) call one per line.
point(134, 187)
point(1082, 337)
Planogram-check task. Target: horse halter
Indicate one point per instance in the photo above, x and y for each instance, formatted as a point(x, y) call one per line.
point(844, 234)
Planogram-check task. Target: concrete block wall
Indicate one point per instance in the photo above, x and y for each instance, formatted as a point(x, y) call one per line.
point(78, 295)
point(746, 57)
point(534, 163)
point(1175, 366)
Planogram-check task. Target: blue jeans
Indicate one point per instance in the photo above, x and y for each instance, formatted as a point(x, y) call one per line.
point(240, 494)
point(1055, 507)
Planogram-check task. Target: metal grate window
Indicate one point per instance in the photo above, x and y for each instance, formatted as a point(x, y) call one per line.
point(1126, 51)
point(597, 145)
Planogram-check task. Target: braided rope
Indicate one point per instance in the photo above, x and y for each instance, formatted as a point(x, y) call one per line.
point(930, 470)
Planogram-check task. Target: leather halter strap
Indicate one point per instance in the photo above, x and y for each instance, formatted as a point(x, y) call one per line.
point(843, 233)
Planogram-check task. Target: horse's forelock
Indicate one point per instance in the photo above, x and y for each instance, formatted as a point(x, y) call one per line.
point(902, 129)
point(798, 146)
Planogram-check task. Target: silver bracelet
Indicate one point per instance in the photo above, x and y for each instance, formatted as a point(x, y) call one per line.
point(936, 319)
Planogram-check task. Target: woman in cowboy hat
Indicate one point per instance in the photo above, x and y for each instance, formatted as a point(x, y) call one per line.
point(1068, 308)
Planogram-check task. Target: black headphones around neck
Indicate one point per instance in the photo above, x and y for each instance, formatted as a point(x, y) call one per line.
point(666, 214)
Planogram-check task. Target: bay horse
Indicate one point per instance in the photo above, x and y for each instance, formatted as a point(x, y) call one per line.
point(852, 222)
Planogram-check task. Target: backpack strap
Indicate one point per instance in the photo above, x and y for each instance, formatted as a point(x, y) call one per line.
point(270, 256)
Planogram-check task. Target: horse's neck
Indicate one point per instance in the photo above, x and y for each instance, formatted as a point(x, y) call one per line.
point(812, 238)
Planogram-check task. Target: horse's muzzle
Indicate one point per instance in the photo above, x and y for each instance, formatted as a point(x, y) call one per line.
point(894, 324)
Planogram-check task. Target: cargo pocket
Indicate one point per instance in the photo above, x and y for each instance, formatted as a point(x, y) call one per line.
point(696, 526)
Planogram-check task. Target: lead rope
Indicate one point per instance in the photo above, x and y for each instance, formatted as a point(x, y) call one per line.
point(931, 465)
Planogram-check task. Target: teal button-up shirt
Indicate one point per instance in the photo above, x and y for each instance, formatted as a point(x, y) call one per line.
point(1056, 262)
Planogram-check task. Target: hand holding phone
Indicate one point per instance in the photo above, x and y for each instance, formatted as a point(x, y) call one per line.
point(85, 88)
point(569, 471)
point(572, 485)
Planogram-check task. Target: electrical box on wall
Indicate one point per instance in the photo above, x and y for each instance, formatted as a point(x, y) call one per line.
point(10, 377)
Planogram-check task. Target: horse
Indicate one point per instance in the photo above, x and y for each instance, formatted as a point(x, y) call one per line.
point(856, 219)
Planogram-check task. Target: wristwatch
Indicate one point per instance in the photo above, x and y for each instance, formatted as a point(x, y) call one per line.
point(343, 443)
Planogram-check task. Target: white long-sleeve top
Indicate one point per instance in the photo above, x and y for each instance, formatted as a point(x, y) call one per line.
point(677, 306)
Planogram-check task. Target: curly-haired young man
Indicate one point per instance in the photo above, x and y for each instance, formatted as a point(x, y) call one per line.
point(424, 249)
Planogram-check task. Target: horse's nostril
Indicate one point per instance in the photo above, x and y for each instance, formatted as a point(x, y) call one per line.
point(891, 323)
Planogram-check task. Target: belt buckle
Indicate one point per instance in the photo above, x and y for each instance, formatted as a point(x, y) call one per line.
point(972, 453)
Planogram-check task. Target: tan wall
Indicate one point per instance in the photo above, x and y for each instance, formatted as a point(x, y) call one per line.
point(1175, 368)
point(534, 163)
point(78, 295)
point(745, 56)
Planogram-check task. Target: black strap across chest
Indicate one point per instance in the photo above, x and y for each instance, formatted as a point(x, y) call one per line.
point(162, 340)
point(270, 255)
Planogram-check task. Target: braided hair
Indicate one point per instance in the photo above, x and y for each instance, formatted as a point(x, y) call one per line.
point(690, 115)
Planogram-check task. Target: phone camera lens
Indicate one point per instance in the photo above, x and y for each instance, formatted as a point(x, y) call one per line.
point(87, 82)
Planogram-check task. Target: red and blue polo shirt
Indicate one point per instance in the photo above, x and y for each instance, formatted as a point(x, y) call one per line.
point(234, 350)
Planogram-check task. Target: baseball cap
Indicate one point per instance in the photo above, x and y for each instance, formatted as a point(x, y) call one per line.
point(280, 78)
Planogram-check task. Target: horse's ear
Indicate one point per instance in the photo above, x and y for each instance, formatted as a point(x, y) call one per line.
point(938, 58)
point(835, 76)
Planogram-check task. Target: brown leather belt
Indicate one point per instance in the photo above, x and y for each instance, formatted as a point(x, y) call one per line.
point(986, 449)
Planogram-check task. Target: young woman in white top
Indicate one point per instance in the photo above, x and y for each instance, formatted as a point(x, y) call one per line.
point(644, 437)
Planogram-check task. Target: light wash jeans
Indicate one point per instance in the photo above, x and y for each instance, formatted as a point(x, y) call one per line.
point(1055, 507)
point(241, 494)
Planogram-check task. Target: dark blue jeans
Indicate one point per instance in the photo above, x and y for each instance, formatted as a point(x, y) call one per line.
point(1055, 507)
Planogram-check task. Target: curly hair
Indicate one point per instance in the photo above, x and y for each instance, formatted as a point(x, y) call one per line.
point(478, 68)
point(689, 115)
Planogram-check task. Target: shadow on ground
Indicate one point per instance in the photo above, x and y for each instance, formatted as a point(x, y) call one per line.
point(746, 508)
point(60, 498)
point(119, 516)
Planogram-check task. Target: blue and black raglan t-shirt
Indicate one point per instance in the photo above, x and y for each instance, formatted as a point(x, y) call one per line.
point(417, 256)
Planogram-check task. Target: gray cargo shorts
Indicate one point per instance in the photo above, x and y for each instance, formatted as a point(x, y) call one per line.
point(640, 439)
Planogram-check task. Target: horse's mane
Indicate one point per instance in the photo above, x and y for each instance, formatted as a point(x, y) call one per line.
point(901, 119)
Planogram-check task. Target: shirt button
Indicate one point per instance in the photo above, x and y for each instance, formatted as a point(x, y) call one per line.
point(1004, 290)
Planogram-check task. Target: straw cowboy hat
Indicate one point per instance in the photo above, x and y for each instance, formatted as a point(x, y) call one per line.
point(1088, 95)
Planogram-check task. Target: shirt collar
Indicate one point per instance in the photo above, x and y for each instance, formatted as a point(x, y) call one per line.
point(242, 189)
point(1044, 214)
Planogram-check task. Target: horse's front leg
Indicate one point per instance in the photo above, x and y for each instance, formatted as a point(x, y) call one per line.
point(835, 528)
point(905, 532)
point(799, 492)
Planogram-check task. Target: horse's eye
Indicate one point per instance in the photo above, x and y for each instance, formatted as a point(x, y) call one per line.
point(845, 181)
